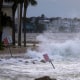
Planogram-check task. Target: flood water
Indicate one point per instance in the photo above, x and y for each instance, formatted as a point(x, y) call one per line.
point(63, 51)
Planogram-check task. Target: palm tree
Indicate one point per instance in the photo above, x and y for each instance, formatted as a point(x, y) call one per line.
point(14, 7)
point(26, 4)
point(16, 2)
point(19, 34)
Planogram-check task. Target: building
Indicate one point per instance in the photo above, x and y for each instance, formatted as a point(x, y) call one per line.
point(63, 25)
point(6, 18)
point(7, 7)
point(55, 24)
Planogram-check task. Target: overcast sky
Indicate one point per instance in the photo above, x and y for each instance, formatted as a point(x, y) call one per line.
point(55, 8)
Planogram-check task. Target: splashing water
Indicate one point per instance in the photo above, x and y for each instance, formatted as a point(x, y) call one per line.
point(64, 51)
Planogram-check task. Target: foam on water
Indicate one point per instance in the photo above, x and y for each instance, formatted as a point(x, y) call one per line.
point(66, 55)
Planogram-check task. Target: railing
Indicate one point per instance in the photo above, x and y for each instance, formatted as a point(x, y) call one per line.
point(30, 38)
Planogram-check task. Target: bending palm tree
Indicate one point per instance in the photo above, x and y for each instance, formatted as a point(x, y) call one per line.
point(26, 4)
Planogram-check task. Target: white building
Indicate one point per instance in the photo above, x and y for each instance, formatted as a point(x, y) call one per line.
point(7, 9)
point(62, 25)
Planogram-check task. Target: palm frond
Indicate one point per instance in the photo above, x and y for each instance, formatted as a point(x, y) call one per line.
point(33, 2)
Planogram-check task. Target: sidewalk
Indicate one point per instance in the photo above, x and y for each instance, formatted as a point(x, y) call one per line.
point(16, 52)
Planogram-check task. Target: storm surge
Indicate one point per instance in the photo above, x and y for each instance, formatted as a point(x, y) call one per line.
point(58, 46)
point(63, 50)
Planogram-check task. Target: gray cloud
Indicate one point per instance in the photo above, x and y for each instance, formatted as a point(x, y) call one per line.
point(54, 8)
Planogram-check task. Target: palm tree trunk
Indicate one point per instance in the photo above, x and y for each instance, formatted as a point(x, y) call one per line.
point(24, 25)
point(13, 29)
point(0, 27)
point(13, 24)
point(26, 4)
point(19, 33)
point(1, 4)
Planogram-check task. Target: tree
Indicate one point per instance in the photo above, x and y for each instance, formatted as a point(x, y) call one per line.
point(1, 26)
point(13, 19)
point(19, 34)
point(15, 5)
point(26, 4)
